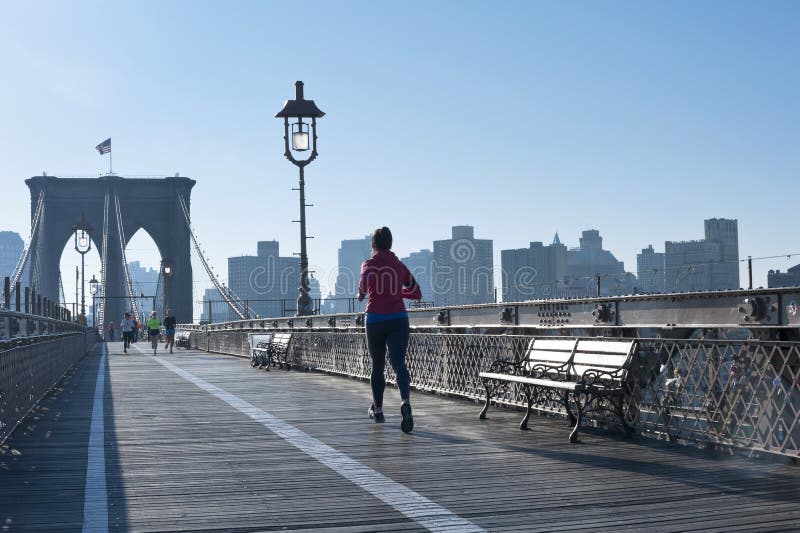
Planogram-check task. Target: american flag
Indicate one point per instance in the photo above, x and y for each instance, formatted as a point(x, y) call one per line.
point(104, 147)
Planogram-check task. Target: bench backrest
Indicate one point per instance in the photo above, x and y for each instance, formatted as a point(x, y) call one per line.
point(609, 356)
point(281, 339)
point(259, 338)
point(549, 352)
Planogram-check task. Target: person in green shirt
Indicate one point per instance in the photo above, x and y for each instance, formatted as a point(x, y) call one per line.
point(154, 329)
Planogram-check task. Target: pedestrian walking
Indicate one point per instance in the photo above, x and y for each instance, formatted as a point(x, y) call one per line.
point(385, 281)
point(169, 330)
point(154, 329)
point(127, 326)
point(111, 331)
point(136, 327)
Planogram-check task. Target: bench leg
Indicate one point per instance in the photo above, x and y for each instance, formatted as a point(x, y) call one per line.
point(573, 436)
point(529, 401)
point(482, 414)
point(570, 415)
point(626, 428)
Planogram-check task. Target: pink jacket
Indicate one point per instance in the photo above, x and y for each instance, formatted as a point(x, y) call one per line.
point(386, 281)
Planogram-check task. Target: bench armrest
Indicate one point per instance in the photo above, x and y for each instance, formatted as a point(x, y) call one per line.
point(602, 377)
point(505, 366)
point(551, 372)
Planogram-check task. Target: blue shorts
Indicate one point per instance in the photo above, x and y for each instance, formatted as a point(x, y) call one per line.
point(170, 333)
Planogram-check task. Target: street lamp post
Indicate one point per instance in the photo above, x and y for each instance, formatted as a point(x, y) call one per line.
point(94, 285)
point(166, 271)
point(83, 244)
point(298, 109)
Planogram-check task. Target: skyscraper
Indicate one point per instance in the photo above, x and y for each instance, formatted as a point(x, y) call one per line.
point(535, 272)
point(726, 232)
point(650, 271)
point(590, 260)
point(11, 248)
point(220, 311)
point(352, 253)
point(705, 265)
point(421, 266)
point(145, 282)
point(267, 283)
point(463, 269)
point(790, 278)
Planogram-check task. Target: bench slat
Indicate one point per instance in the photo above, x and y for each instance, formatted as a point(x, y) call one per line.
point(557, 357)
point(620, 347)
point(599, 359)
point(560, 345)
point(566, 385)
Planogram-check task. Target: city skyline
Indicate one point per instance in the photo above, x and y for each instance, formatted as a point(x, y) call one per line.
point(571, 282)
point(635, 120)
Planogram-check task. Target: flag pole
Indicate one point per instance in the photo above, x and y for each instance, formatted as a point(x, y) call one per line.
point(110, 166)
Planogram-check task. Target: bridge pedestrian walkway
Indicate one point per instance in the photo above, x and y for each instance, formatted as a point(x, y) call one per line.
point(202, 442)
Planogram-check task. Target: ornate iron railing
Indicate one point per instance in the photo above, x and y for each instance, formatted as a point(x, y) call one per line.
point(742, 394)
point(30, 367)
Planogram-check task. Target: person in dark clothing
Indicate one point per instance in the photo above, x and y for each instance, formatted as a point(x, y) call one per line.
point(169, 327)
point(385, 281)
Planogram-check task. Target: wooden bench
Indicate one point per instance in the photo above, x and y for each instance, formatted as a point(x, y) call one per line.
point(272, 350)
point(583, 375)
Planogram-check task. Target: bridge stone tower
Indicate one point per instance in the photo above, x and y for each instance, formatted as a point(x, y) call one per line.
point(151, 204)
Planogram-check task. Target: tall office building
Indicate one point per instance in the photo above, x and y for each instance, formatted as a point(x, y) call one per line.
point(352, 253)
point(790, 278)
point(215, 309)
point(11, 248)
point(590, 260)
point(708, 264)
point(421, 266)
point(463, 269)
point(267, 283)
point(650, 271)
point(145, 284)
point(726, 232)
point(535, 272)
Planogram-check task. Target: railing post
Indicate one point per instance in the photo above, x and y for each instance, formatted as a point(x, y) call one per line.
point(16, 291)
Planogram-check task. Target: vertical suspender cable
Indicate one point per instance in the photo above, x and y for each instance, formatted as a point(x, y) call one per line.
point(102, 307)
point(126, 272)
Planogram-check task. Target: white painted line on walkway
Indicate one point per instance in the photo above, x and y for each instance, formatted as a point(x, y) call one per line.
point(95, 497)
point(415, 506)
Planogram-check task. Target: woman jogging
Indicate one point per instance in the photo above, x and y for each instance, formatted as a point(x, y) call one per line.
point(154, 330)
point(127, 326)
point(169, 330)
point(385, 281)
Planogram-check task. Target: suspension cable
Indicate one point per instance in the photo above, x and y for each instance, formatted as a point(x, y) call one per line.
point(121, 232)
point(23, 259)
point(228, 295)
point(102, 309)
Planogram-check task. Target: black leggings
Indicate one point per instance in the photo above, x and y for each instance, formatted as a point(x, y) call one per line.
point(393, 333)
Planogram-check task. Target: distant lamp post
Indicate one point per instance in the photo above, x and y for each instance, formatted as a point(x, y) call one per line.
point(297, 110)
point(83, 244)
point(94, 286)
point(166, 271)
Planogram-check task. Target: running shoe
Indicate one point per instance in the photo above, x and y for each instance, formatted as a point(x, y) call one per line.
point(408, 421)
point(378, 418)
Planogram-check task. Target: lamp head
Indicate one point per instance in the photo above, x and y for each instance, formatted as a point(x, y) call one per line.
point(93, 285)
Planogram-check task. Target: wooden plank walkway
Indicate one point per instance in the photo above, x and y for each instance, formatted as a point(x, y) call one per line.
point(180, 457)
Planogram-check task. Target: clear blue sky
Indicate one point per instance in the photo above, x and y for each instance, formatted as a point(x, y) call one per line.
point(639, 119)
